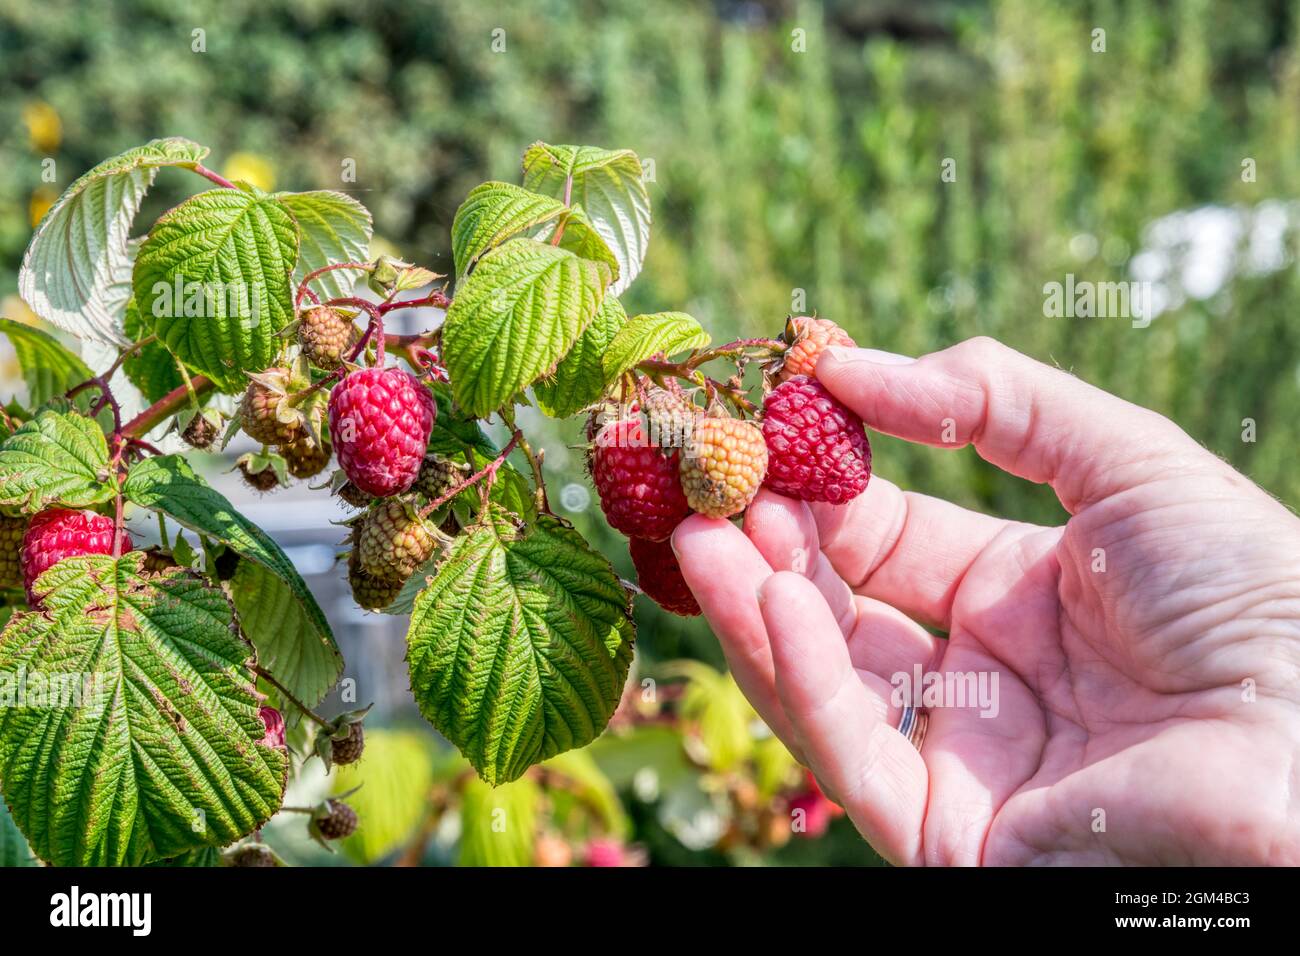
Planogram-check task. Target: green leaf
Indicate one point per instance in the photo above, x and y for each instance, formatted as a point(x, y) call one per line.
point(491, 214)
point(588, 783)
point(76, 273)
point(14, 850)
point(498, 827)
point(582, 239)
point(334, 228)
point(520, 311)
point(580, 378)
point(49, 369)
point(608, 186)
point(302, 655)
point(519, 646)
point(647, 335)
point(397, 772)
point(287, 634)
point(152, 369)
point(231, 252)
point(719, 713)
point(59, 457)
point(161, 755)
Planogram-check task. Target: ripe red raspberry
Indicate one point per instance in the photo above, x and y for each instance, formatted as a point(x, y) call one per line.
point(724, 466)
point(809, 337)
point(274, 724)
point(393, 541)
point(326, 335)
point(817, 448)
point(660, 576)
point(305, 458)
point(638, 485)
point(350, 749)
point(380, 419)
point(606, 851)
point(338, 822)
point(259, 407)
point(11, 549)
point(57, 534)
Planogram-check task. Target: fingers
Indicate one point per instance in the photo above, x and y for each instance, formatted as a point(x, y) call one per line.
point(724, 571)
point(1029, 419)
point(881, 639)
point(872, 769)
point(908, 550)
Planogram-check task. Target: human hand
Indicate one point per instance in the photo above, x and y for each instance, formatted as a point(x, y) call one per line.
point(1147, 652)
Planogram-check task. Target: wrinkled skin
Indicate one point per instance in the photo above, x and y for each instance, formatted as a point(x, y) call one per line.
point(1149, 707)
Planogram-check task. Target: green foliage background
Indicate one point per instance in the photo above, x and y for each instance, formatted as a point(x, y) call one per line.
point(774, 170)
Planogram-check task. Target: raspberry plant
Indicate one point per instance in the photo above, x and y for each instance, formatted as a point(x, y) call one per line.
point(520, 634)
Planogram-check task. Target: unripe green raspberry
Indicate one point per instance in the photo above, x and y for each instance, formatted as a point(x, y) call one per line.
point(724, 466)
point(305, 458)
point(370, 593)
point(339, 823)
point(394, 541)
point(11, 550)
point(437, 476)
point(326, 336)
point(257, 411)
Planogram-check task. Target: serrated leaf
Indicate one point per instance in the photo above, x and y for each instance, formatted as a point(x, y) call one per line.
point(397, 772)
point(162, 754)
point(647, 335)
point(151, 369)
point(608, 186)
point(168, 484)
point(493, 213)
point(77, 269)
point(515, 317)
point(498, 825)
point(580, 378)
point(285, 632)
point(14, 850)
point(59, 457)
point(49, 369)
point(520, 645)
point(334, 227)
point(238, 248)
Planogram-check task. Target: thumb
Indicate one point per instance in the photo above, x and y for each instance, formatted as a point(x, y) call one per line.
point(1027, 418)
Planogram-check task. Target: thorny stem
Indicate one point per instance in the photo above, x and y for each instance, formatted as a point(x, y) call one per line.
point(303, 289)
point(122, 355)
point(215, 177)
point(170, 403)
point(535, 459)
point(437, 299)
point(376, 323)
point(287, 695)
point(489, 471)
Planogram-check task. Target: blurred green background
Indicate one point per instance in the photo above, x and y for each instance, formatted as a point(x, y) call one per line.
point(798, 157)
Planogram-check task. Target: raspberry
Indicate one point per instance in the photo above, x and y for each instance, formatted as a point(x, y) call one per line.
point(305, 457)
point(261, 402)
point(610, 852)
point(58, 534)
point(724, 467)
point(338, 822)
point(671, 417)
point(809, 337)
point(394, 541)
point(817, 448)
point(380, 421)
point(264, 480)
point(200, 433)
point(274, 724)
point(158, 561)
point(255, 854)
point(353, 495)
point(326, 335)
point(660, 576)
point(371, 593)
point(638, 485)
point(437, 476)
point(344, 752)
point(11, 549)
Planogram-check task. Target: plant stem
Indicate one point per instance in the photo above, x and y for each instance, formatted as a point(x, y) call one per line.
point(215, 177)
point(169, 404)
point(285, 693)
point(303, 289)
point(436, 299)
point(489, 470)
point(543, 501)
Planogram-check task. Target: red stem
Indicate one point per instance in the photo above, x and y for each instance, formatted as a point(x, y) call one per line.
point(306, 280)
point(437, 299)
point(490, 469)
point(215, 177)
point(143, 423)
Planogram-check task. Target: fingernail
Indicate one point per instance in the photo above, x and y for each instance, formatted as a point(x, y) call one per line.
point(876, 357)
point(758, 593)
